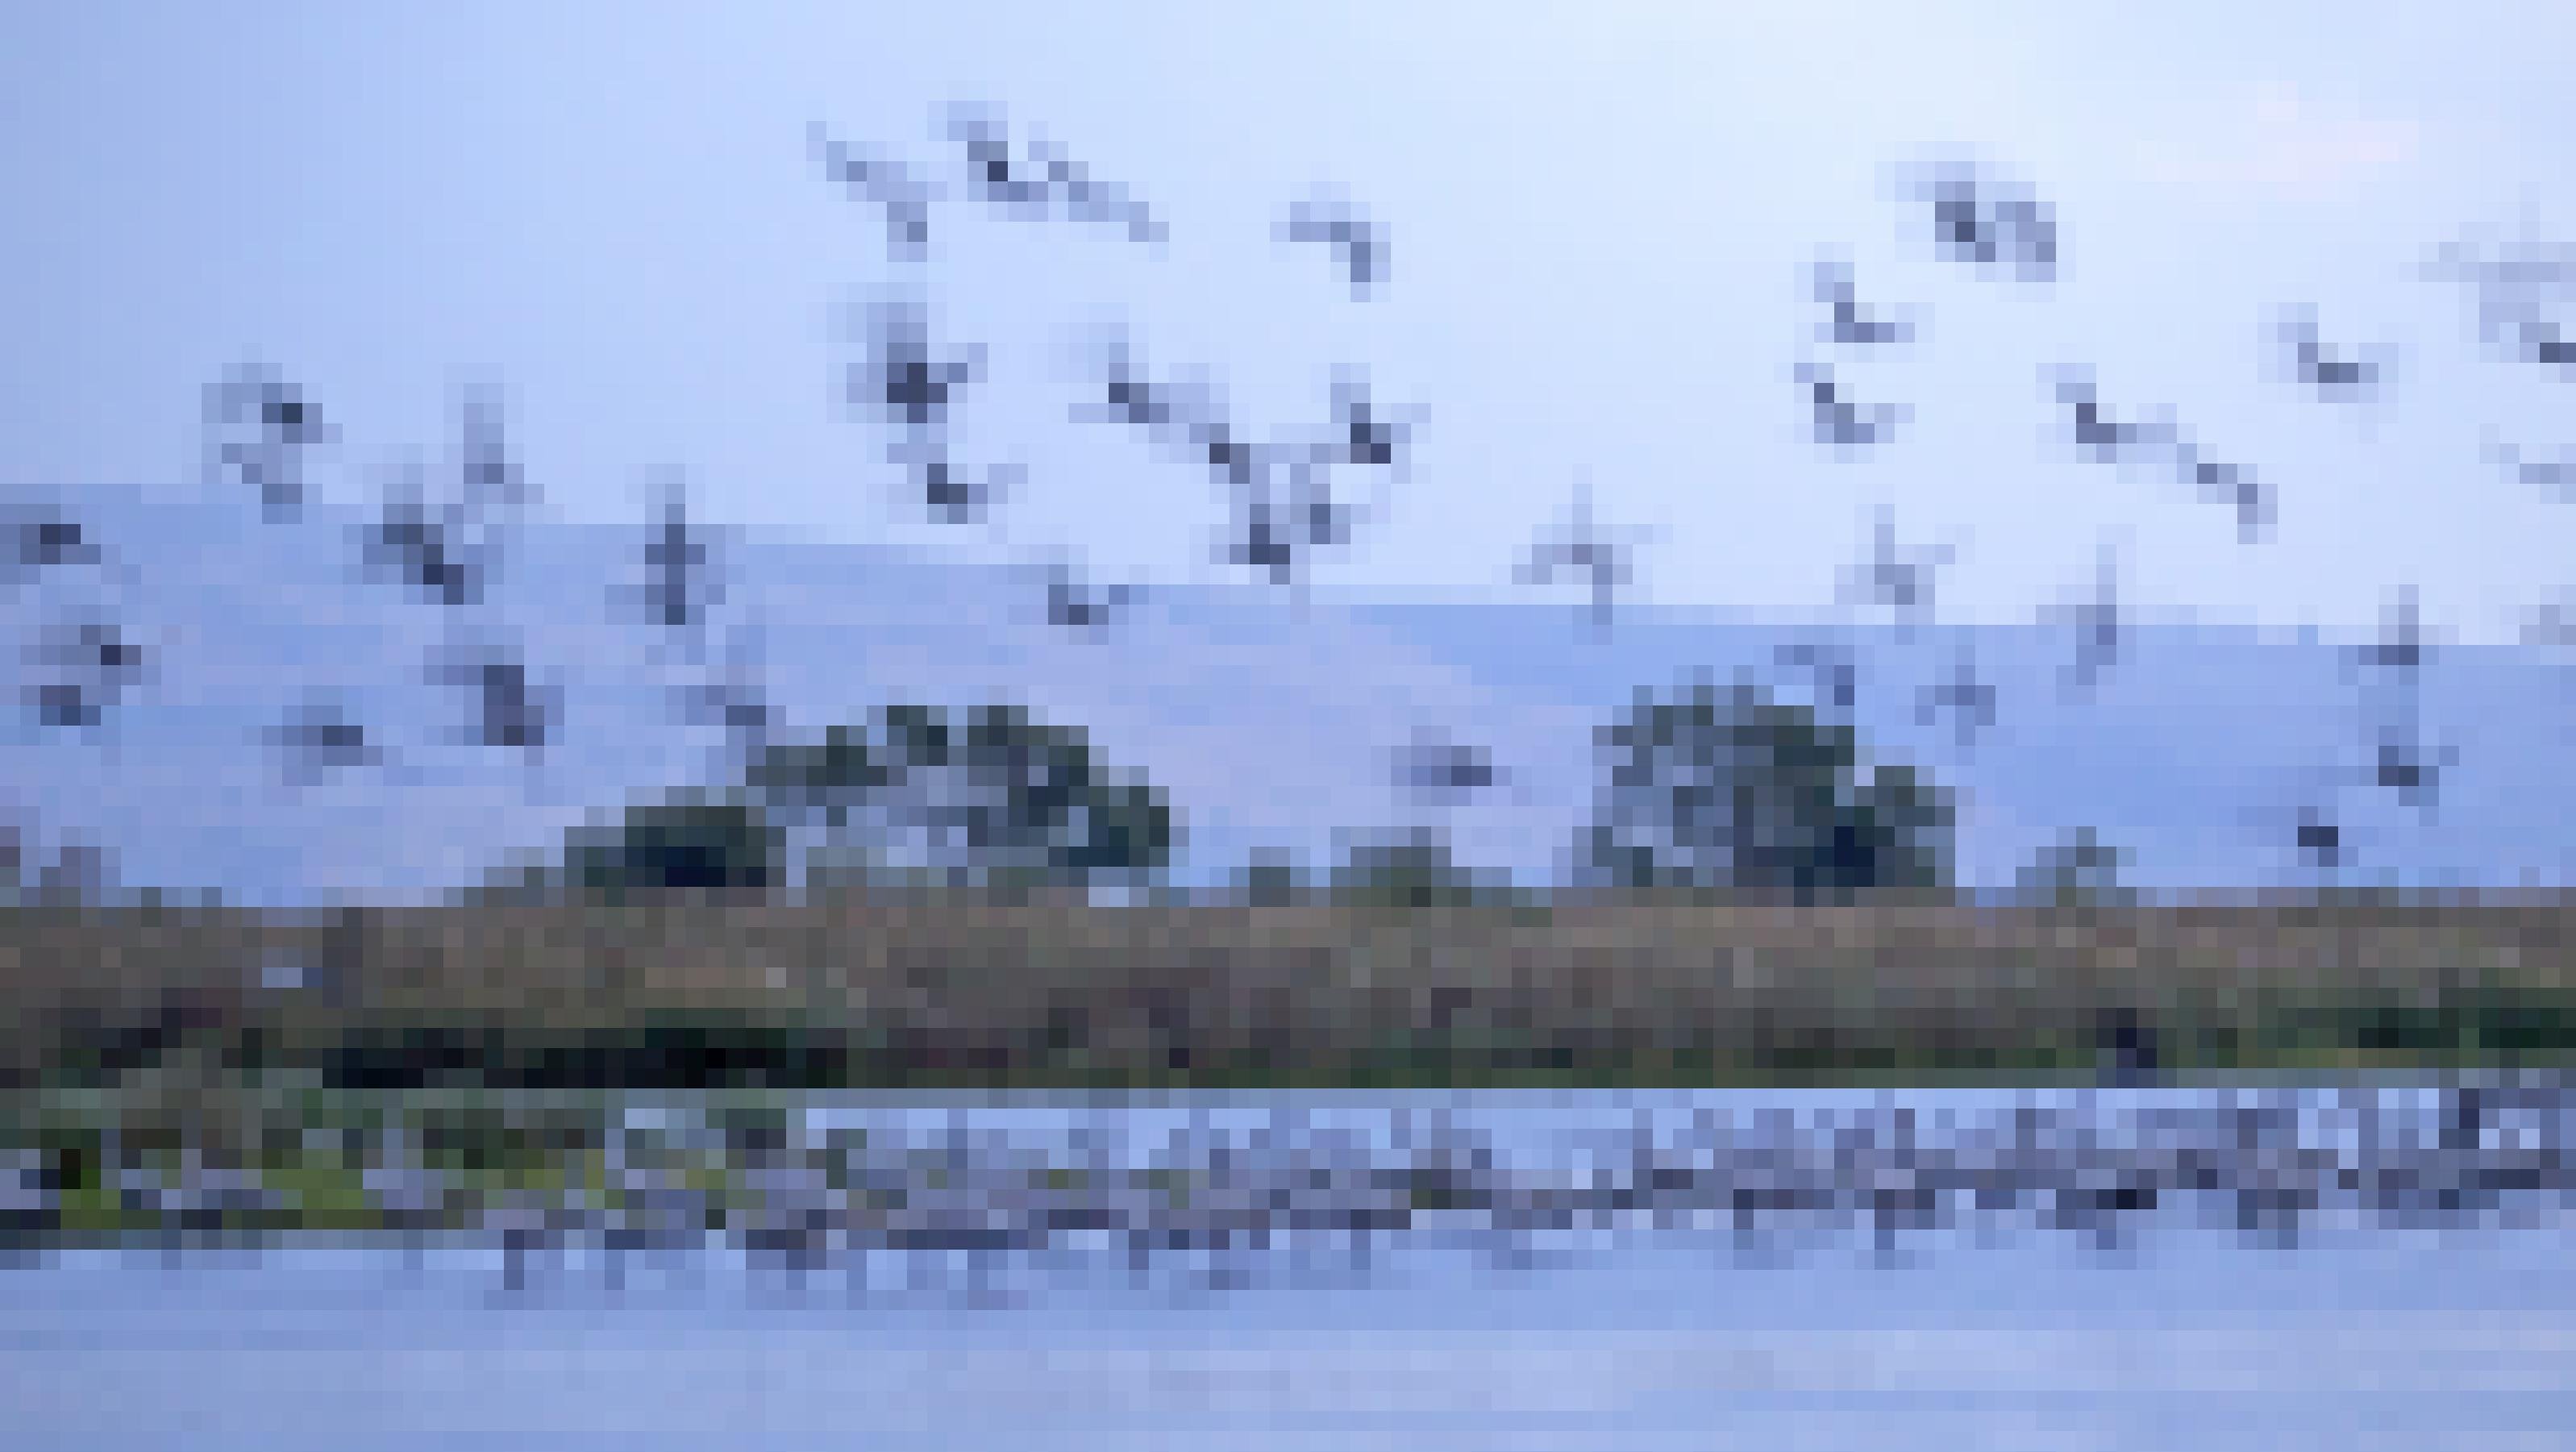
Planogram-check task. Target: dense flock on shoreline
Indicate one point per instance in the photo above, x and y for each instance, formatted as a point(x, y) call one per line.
point(808, 1183)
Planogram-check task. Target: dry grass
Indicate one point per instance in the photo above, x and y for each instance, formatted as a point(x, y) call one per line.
point(1317, 992)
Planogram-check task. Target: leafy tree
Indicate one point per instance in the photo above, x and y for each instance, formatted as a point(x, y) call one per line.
point(2079, 870)
point(681, 845)
point(1269, 878)
point(1733, 790)
point(1412, 870)
point(992, 797)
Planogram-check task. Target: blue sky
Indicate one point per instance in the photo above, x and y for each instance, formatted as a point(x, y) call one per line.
point(1599, 216)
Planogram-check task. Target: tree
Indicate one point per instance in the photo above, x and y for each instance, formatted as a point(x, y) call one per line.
point(681, 845)
point(1412, 870)
point(1733, 790)
point(995, 797)
point(2076, 871)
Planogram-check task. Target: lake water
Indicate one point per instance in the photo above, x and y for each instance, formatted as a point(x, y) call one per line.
point(1988, 1332)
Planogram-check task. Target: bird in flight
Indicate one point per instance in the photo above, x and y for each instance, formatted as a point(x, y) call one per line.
point(1847, 325)
point(2098, 636)
point(1834, 672)
point(1965, 696)
point(1604, 563)
point(1028, 184)
point(1985, 221)
point(2232, 484)
point(884, 184)
point(1074, 606)
point(2334, 378)
point(1896, 581)
point(1359, 245)
point(260, 426)
point(2554, 472)
point(2107, 440)
point(1440, 771)
point(1836, 419)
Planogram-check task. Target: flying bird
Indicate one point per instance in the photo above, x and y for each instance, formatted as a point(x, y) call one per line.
point(1847, 325)
point(679, 585)
point(1898, 582)
point(902, 382)
point(1580, 546)
point(321, 739)
point(425, 552)
point(259, 426)
point(1834, 673)
point(512, 711)
point(2107, 440)
point(2334, 378)
point(1074, 606)
point(2098, 636)
point(2401, 650)
point(2555, 472)
point(1358, 244)
point(735, 700)
point(2520, 293)
point(2403, 766)
point(94, 662)
point(2231, 484)
point(1835, 419)
point(1438, 771)
point(1087, 199)
point(1963, 695)
point(956, 496)
point(1982, 220)
point(492, 476)
point(1027, 185)
point(884, 184)
point(47, 539)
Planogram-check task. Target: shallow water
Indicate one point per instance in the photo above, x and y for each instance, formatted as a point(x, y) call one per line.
point(2360, 1335)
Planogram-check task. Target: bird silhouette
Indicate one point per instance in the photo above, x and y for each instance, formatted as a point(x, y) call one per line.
point(1833, 672)
point(2098, 626)
point(2556, 472)
point(1359, 246)
point(1030, 184)
point(680, 586)
point(1896, 581)
point(734, 698)
point(1835, 419)
point(1074, 606)
point(1985, 221)
point(1438, 772)
point(46, 539)
point(259, 427)
point(1581, 546)
point(2107, 440)
point(1846, 324)
point(512, 710)
point(2404, 765)
point(426, 552)
point(320, 738)
point(2401, 651)
point(1967, 698)
point(93, 663)
point(2231, 484)
point(902, 381)
point(2333, 378)
point(1090, 200)
point(884, 184)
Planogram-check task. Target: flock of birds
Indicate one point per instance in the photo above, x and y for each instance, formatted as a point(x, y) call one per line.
point(1286, 490)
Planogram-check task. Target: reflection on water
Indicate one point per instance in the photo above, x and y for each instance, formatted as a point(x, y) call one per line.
point(1614, 1270)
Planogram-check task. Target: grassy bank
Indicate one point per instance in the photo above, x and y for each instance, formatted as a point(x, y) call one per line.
point(946, 992)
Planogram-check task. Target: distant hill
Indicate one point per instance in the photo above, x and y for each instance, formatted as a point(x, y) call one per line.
point(1270, 727)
